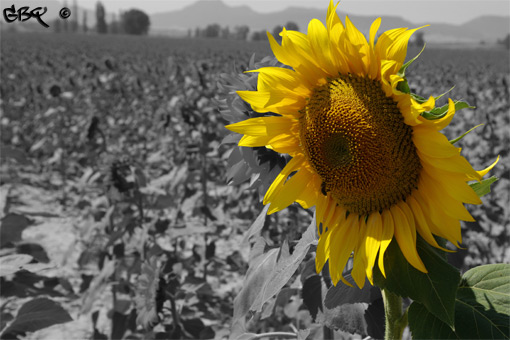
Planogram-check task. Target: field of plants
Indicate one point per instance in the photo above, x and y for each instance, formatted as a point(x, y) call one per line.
point(115, 200)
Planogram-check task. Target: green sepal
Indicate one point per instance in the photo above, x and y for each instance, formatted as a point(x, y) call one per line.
point(441, 95)
point(436, 289)
point(403, 86)
point(453, 141)
point(440, 112)
point(484, 187)
point(418, 98)
point(402, 71)
point(422, 100)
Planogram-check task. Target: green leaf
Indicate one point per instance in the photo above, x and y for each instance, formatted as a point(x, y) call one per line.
point(10, 264)
point(482, 308)
point(348, 318)
point(35, 315)
point(257, 226)
point(440, 112)
point(375, 317)
point(484, 187)
point(286, 267)
point(257, 276)
point(453, 141)
point(11, 228)
point(435, 290)
point(342, 294)
point(488, 287)
point(424, 325)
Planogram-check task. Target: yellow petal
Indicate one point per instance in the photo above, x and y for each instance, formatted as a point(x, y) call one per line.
point(454, 184)
point(345, 238)
point(277, 101)
point(280, 53)
point(439, 223)
point(457, 164)
point(322, 205)
point(290, 191)
point(332, 18)
point(398, 49)
point(323, 249)
point(308, 198)
point(263, 126)
point(433, 191)
point(294, 164)
point(254, 141)
point(373, 242)
point(282, 78)
point(319, 42)
point(388, 228)
point(441, 123)
point(406, 238)
point(359, 266)
point(285, 143)
point(373, 30)
point(385, 41)
point(306, 63)
point(433, 143)
point(421, 223)
point(484, 172)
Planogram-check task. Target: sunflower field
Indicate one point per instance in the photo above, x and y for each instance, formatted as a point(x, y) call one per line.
point(128, 212)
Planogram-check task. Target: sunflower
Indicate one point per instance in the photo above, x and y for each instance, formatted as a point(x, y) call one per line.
point(364, 150)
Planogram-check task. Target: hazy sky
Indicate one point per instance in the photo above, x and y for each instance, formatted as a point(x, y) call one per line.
point(418, 11)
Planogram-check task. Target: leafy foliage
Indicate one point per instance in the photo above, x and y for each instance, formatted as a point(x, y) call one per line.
point(135, 21)
point(115, 201)
point(34, 315)
point(435, 290)
point(481, 308)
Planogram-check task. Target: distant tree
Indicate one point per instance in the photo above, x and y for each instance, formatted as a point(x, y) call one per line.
point(505, 42)
point(419, 39)
point(65, 26)
point(292, 26)
point(136, 22)
point(114, 25)
point(121, 16)
point(212, 31)
point(85, 28)
point(225, 32)
point(101, 26)
point(276, 32)
point(259, 35)
point(57, 26)
point(241, 32)
point(74, 15)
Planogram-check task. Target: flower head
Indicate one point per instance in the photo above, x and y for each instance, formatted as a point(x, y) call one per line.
point(364, 150)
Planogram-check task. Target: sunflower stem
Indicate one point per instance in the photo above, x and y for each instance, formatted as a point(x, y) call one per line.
point(396, 321)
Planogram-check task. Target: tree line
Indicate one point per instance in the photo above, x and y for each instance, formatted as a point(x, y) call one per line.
point(238, 32)
point(133, 21)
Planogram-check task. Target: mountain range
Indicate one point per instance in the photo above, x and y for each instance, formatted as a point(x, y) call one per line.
point(204, 12)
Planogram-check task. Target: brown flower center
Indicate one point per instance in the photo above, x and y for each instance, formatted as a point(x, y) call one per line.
point(356, 140)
